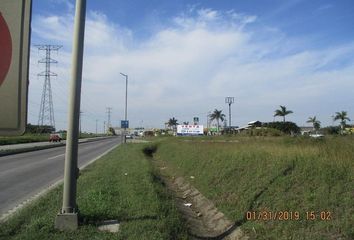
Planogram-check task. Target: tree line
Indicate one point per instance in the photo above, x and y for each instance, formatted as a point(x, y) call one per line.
point(286, 127)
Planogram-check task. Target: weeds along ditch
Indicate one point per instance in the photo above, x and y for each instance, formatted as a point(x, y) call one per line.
point(300, 176)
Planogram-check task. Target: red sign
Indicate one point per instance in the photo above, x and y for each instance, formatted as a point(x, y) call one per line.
point(15, 22)
point(5, 49)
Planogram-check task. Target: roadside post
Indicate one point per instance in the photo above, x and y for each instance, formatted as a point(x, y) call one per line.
point(67, 219)
point(126, 105)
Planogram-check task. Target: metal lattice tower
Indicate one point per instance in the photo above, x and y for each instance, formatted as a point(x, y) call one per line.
point(109, 111)
point(46, 112)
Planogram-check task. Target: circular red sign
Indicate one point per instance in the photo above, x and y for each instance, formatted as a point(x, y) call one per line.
point(5, 49)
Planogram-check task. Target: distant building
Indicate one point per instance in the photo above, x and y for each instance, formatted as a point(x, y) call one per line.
point(252, 124)
point(306, 130)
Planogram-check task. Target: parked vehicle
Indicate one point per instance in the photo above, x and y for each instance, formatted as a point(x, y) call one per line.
point(55, 137)
point(316, 135)
point(128, 136)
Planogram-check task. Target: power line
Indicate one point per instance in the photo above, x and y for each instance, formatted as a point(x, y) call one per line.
point(46, 112)
point(109, 111)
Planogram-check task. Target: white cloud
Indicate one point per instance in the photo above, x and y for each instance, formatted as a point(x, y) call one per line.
point(187, 68)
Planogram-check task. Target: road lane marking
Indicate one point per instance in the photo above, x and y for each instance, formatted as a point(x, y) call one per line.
point(56, 156)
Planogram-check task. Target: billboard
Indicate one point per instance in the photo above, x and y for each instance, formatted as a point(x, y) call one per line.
point(15, 18)
point(190, 130)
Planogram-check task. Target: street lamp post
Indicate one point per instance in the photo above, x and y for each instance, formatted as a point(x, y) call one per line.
point(126, 105)
point(68, 219)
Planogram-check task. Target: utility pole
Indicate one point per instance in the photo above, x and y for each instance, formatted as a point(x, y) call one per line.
point(126, 104)
point(109, 111)
point(68, 219)
point(208, 120)
point(96, 126)
point(104, 127)
point(229, 100)
point(46, 111)
point(80, 123)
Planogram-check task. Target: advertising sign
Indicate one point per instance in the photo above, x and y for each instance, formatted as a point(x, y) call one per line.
point(190, 130)
point(15, 18)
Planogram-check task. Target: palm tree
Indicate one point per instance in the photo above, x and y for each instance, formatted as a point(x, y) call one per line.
point(342, 116)
point(315, 123)
point(282, 112)
point(217, 115)
point(185, 123)
point(172, 122)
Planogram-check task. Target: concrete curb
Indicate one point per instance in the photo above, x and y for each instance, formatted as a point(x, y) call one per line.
point(4, 217)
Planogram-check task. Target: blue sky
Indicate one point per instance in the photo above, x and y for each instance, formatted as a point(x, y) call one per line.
point(184, 57)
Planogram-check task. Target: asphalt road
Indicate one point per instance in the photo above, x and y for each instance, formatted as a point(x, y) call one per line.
point(26, 174)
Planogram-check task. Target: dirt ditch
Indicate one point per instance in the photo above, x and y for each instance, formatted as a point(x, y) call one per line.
point(203, 219)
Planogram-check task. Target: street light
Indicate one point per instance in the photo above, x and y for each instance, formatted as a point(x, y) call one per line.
point(68, 218)
point(126, 104)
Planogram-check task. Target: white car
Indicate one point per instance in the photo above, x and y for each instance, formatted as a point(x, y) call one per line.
point(128, 136)
point(316, 135)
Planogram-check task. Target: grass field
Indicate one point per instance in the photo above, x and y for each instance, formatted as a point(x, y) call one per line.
point(26, 138)
point(121, 186)
point(299, 176)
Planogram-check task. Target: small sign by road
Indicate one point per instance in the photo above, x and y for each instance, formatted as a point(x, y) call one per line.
point(15, 18)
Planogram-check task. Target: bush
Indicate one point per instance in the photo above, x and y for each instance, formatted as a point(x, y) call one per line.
point(39, 129)
point(267, 132)
point(331, 130)
point(285, 127)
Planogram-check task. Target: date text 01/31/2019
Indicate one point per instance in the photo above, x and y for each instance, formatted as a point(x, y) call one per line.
point(288, 215)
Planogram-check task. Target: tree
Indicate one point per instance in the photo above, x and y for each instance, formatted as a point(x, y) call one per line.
point(343, 117)
point(185, 123)
point(282, 112)
point(315, 123)
point(172, 122)
point(217, 115)
point(111, 131)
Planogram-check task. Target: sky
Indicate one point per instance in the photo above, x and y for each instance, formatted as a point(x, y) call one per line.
point(184, 57)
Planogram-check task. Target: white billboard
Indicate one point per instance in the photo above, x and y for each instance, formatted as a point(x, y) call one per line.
point(15, 17)
point(190, 130)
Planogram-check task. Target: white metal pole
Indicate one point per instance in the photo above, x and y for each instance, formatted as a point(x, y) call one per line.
point(68, 217)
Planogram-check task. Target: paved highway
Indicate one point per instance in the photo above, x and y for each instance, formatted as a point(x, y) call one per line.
point(26, 174)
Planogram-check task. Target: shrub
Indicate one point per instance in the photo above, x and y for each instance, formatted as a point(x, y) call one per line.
point(331, 130)
point(266, 132)
point(285, 127)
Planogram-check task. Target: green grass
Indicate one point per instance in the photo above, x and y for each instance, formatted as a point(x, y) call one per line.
point(123, 186)
point(26, 138)
point(232, 171)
